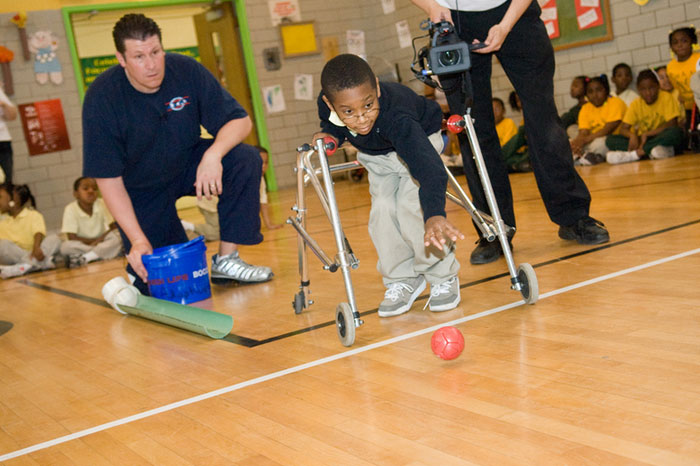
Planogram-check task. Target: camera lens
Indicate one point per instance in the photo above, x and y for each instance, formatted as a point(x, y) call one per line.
point(449, 57)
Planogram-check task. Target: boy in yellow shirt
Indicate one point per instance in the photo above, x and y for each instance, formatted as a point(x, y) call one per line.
point(599, 118)
point(91, 233)
point(681, 68)
point(650, 126)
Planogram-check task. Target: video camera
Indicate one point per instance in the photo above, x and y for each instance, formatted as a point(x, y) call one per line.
point(446, 54)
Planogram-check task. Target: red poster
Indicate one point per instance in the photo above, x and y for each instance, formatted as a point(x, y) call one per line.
point(44, 126)
point(550, 17)
point(588, 13)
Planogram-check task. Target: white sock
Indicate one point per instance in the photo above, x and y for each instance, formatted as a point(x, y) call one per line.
point(188, 226)
point(90, 256)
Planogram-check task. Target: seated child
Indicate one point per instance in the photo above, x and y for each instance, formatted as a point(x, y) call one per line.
point(650, 126)
point(599, 117)
point(90, 231)
point(208, 208)
point(24, 246)
point(511, 138)
point(397, 134)
point(578, 92)
point(622, 78)
point(682, 67)
point(665, 85)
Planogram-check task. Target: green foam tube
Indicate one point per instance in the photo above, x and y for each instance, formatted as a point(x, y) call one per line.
point(127, 299)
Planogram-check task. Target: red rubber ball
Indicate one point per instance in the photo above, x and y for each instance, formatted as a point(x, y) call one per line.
point(447, 343)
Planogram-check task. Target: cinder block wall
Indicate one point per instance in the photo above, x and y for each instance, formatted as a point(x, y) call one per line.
point(640, 39)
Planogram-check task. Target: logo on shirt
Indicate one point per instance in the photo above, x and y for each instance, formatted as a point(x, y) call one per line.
point(177, 103)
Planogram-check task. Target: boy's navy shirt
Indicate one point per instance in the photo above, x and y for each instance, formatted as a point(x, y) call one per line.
point(149, 139)
point(404, 122)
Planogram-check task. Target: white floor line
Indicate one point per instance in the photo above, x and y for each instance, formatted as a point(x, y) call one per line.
point(319, 362)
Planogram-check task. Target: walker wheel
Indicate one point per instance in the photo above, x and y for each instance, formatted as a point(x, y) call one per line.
point(298, 302)
point(345, 324)
point(528, 283)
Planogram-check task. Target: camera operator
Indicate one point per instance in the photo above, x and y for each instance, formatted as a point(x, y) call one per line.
point(513, 31)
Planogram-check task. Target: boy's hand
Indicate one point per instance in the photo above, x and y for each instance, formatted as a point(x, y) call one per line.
point(321, 136)
point(438, 229)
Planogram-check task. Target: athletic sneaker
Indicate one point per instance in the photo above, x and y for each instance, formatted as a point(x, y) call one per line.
point(590, 158)
point(615, 157)
point(399, 296)
point(75, 260)
point(444, 296)
point(661, 152)
point(9, 271)
point(232, 267)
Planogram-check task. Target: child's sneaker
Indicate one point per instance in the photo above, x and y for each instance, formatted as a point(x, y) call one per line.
point(9, 271)
point(232, 267)
point(444, 296)
point(661, 152)
point(75, 260)
point(399, 296)
point(615, 157)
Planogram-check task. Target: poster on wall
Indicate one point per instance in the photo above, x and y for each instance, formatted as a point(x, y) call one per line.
point(284, 10)
point(550, 18)
point(274, 99)
point(388, 6)
point(303, 87)
point(404, 32)
point(588, 14)
point(356, 42)
point(44, 126)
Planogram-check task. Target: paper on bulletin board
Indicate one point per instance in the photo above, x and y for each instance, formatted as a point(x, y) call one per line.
point(550, 18)
point(330, 48)
point(284, 9)
point(274, 99)
point(303, 87)
point(388, 6)
point(356, 42)
point(404, 32)
point(588, 13)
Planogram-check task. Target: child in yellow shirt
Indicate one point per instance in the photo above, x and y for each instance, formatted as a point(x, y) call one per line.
point(684, 65)
point(599, 117)
point(650, 125)
point(511, 138)
point(24, 246)
point(91, 232)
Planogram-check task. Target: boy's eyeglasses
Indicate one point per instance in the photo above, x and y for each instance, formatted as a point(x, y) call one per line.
point(356, 117)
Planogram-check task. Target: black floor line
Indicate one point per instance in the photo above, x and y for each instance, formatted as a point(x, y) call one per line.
point(252, 342)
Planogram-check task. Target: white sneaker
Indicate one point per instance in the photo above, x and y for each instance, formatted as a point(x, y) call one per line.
point(444, 296)
point(233, 268)
point(399, 296)
point(615, 157)
point(9, 271)
point(661, 152)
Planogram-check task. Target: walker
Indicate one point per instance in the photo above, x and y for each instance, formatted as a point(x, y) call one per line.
point(347, 317)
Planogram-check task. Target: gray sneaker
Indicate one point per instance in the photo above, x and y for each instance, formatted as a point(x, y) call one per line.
point(444, 296)
point(399, 296)
point(233, 268)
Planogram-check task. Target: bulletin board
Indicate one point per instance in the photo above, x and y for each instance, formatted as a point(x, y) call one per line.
point(298, 39)
point(578, 22)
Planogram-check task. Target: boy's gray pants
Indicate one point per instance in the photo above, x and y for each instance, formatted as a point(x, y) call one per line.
point(396, 222)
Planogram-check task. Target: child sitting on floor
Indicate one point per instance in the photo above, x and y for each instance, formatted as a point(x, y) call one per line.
point(622, 78)
point(650, 126)
point(683, 66)
point(512, 139)
point(90, 231)
point(577, 91)
point(397, 134)
point(599, 117)
point(24, 246)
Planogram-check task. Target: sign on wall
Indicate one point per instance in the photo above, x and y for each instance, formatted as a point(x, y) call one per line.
point(44, 126)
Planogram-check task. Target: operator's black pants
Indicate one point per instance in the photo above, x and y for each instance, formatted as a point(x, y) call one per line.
point(238, 207)
point(528, 60)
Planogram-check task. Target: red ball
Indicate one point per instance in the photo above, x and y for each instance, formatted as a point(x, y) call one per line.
point(447, 342)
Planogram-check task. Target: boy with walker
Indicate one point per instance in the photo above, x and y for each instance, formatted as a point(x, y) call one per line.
point(397, 134)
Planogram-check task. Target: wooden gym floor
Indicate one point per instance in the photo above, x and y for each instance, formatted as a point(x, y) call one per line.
point(603, 369)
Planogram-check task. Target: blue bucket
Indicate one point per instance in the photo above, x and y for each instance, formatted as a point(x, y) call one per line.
point(179, 273)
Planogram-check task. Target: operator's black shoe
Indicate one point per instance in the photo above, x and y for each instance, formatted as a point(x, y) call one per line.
point(487, 251)
point(586, 230)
